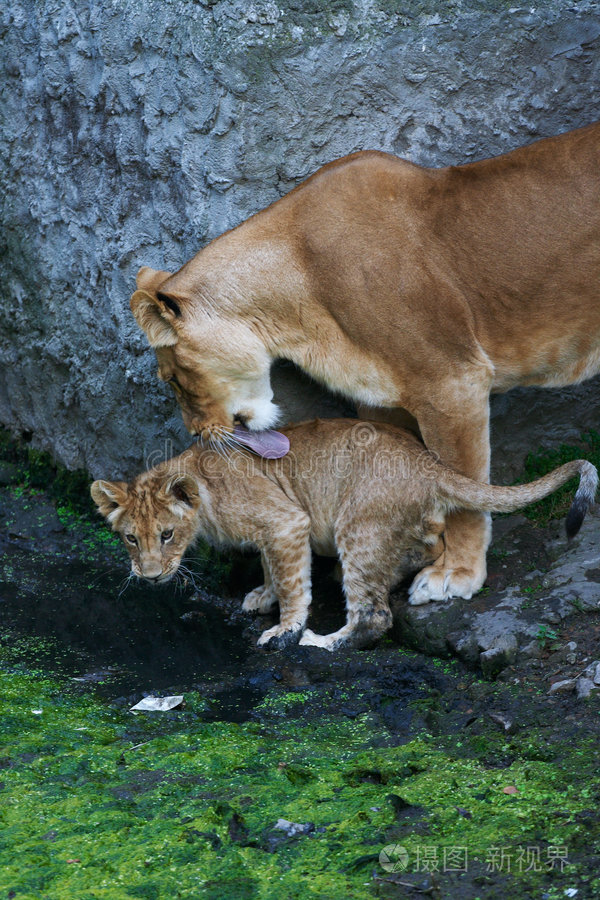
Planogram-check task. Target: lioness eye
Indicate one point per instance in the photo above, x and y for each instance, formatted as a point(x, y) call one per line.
point(166, 535)
point(131, 538)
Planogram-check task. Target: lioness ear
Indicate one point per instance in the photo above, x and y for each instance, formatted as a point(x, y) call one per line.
point(155, 318)
point(182, 491)
point(109, 497)
point(148, 279)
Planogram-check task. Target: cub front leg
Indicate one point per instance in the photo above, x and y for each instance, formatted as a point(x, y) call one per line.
point(263, 598)
point(456, 428)
point(287, 556)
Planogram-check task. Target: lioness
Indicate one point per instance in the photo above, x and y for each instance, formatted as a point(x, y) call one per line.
point(400, 287)
point(370, 493)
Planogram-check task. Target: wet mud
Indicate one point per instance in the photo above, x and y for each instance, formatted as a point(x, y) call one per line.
point(357, 751)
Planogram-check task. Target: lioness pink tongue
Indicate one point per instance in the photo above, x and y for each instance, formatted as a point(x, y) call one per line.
point(270, 444)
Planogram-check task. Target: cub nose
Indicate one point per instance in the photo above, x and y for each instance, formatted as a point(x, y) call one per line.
point(152, 575)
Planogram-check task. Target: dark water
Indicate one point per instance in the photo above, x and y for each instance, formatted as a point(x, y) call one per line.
point(148, 638)
point(62, 611)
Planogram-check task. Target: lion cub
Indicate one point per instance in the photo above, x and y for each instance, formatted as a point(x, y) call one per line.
point(368, 493)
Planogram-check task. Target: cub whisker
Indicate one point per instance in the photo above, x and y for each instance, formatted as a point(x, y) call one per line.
point(125, 584)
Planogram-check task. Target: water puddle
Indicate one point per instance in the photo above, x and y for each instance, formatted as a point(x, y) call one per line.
point(63, 610)
point(146, 639)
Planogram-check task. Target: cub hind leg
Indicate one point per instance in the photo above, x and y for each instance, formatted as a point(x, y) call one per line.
point(370, 569)
point(367, 576)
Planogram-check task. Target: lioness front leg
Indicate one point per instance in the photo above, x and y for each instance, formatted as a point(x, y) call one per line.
point(459, 434)
point(288, 557)
point(263, 598)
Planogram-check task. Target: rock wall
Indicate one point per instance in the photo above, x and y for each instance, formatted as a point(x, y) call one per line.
point(135, 132)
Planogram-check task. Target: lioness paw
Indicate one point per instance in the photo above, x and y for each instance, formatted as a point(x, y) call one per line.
point(279, 637)
point(438, 583)
point(262, 599)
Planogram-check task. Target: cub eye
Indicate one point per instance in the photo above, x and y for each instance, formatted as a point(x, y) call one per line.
point(131, 538)
point(166, 535)
point(175, 385)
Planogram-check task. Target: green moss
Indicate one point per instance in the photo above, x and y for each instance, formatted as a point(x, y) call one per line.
point(35, 473)
point(36, 469)
point(537, 464)
point(282, 703)
point(104, 803)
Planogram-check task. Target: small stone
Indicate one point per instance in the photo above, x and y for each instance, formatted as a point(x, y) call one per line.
point(551, 617)
point(507, 724)
point(465, 645)
point(294, 828)
point(415, 77)
point(593, 672)
point(498, 657)
point(568, 684)
point(50, 835)
point(584, 687)
point(532, 650)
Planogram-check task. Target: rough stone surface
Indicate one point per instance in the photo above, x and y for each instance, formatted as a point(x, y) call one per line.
point(584, 688)
point(515, 623)
point(134, 133)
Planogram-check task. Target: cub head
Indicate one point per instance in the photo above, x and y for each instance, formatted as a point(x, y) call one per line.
point(213, 360)
point(156, 518)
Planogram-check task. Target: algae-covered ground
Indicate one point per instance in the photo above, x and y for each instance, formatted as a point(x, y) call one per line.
point(403, 776)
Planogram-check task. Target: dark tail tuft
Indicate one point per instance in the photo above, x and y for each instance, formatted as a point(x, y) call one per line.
point(584, 498)
point(575, 517)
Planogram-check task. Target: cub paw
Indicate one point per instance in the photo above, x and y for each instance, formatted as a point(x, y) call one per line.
point(325, 641)
point(438, 583)
point(262, 599)
point(278, 637)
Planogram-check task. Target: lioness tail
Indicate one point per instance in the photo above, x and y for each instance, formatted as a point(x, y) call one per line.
point(460, 492)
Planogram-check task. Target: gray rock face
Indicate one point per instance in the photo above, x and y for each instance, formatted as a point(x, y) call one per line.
point(134, 133)
point(500, 627)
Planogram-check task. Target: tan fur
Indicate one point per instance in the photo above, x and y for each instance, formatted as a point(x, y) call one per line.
point(400, 287)
point(368, 492)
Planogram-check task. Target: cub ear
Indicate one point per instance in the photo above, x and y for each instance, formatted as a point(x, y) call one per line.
point(110, 498)
point(182, 491)
point(155, 318)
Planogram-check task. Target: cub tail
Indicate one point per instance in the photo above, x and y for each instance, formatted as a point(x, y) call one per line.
point(459, 492)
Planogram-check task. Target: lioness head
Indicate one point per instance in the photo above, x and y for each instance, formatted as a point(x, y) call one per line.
point(156, 517)
point(215, 363)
